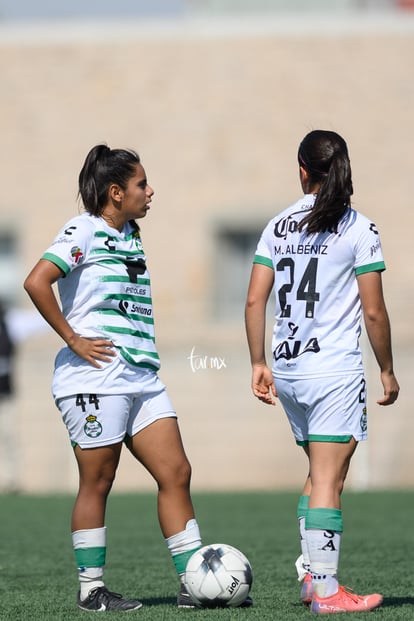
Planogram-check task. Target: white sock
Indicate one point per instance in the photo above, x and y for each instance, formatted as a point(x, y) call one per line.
point(87, 581)
point(304, 544)
point(324, 585)
point(324, 547)
point(183, 545)
point(89, 546)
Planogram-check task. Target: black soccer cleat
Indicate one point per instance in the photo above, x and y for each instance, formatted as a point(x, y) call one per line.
point(248, 602)
point(102, 600)
point(184, 600)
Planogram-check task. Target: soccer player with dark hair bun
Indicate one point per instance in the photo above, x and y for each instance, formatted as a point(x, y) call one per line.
point(323, 260)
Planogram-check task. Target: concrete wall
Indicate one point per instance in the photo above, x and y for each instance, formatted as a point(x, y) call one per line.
point(216, 109)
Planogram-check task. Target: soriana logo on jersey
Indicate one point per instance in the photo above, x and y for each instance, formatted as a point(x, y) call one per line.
point(76, 254)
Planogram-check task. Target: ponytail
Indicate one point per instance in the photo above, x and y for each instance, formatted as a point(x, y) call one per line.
point(102, 167)
point(324, 155)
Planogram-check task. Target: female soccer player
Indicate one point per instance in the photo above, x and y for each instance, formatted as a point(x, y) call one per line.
point(105, 381)
point(324, 261)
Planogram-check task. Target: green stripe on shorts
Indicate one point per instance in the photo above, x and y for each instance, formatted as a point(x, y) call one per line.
point(340, 439)
point(315, 438)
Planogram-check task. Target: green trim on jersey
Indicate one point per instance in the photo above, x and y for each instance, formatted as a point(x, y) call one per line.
point(112, 261)
point(133, 235)
point(372, 267)
point(140, 351)
point(130, 298)
point(136, 333)
point(48, 256)
point(122, 254)
point(263, 261)
point(140, 281)
point(144, 365)
point(312, 438)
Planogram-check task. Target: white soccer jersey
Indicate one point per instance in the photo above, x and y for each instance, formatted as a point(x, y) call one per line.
point(318, 310)
point(105, 291)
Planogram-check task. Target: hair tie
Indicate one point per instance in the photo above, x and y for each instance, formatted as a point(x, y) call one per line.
point(309, 168)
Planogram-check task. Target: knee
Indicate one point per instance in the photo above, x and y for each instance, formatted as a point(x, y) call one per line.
point(99, 485)
point(184, 473)
point(181, 473)
point(177, 476)
point(104, 485)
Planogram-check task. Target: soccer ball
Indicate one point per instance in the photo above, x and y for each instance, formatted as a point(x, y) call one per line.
point(218, 575)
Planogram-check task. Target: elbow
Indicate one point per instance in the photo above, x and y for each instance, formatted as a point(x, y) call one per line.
point(375, 314)
point(249, 303)
point(29, 285)
point(252, 303)
point(256, 297)
point(370, 317)
point(26, 285)
point(254, 307)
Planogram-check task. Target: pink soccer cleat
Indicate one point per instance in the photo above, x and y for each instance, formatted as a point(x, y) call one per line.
point(306, 590)
point(344, 601)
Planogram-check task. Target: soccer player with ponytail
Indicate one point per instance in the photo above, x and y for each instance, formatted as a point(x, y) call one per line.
point(106, 382)
point(323, 260)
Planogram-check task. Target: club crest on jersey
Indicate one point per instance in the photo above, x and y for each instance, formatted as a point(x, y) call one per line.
point(76, 254)
point(93, 427)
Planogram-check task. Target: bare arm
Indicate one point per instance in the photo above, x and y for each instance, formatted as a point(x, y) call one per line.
point(38, 285)
point(379, 332)
point(261, 283)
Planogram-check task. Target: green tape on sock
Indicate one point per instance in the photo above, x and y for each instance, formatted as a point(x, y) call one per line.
point(303, 505)
point(181, 560)
point(324, 519)
point(90, 557)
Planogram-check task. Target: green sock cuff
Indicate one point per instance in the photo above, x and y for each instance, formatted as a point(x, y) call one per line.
point(181, 560)
point(90, 557)
point(303, 505)
point(324, 519)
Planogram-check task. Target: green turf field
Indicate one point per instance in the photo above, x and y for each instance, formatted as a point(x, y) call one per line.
point(38, 578)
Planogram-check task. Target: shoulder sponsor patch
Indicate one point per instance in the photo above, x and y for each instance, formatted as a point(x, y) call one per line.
point(76, 254)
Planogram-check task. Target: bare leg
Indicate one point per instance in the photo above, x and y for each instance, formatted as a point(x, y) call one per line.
point(97, 468)
point(160, 449)
point(307, 488)
point(329, 464)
